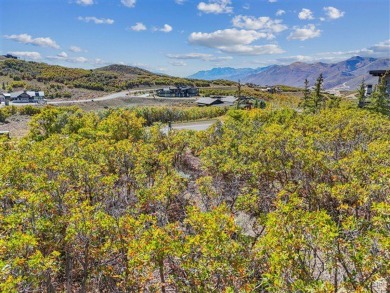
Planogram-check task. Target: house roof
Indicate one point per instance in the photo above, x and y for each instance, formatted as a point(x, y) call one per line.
point(30, 93)
point(379, 72)
point(15, 94)
point(229, 99)
point(208, 101)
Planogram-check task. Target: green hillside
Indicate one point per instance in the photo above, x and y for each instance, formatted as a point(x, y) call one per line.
point(59, 81)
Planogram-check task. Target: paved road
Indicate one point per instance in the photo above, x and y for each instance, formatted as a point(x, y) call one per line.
point(127, 93)
point(195, 125)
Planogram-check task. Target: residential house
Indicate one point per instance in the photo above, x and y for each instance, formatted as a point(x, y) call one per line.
point(27, 97)
point(178, 92)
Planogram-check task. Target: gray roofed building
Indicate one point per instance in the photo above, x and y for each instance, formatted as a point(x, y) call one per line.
point(27, 96)
point(208, 101)
point(229, 99)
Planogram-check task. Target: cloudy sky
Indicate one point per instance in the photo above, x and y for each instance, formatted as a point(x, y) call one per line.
point(180, 37)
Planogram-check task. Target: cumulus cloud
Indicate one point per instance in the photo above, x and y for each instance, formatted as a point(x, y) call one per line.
point(165, 29)
point(304, 33)
point(280, 12)
point(128, 3)
point(75, 49)
point(85, 2)
point(27, 39)
point(253, 50)
point(382, 47)
point(139, 26)
point(305, 14)
point(263, 23)
point(333, 13)
point(178, 63)
point(27, 55)
point(227, 37)
point(96, 20)
point(234, 41)
point(216, 6)
point(199, 56)
point(64, 57)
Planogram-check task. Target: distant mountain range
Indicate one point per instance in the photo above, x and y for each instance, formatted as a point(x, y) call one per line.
point(346, 74)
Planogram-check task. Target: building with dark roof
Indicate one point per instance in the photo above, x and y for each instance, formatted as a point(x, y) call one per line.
point(205, 101)
point(178, 92)
point(25, 96)
point(382, 74)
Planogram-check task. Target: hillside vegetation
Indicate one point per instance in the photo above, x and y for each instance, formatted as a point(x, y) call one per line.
point(267, 201)
point(62, 82)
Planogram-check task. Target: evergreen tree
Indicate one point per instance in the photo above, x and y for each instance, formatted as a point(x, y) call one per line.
point(318, 97)
point(305, 104)
point(361, 94)
point(3, 87)
point(380, 101)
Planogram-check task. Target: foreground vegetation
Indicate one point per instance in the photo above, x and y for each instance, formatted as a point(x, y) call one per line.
point(267, 201)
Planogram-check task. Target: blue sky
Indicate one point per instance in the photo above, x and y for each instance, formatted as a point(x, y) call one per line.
point(181, 37)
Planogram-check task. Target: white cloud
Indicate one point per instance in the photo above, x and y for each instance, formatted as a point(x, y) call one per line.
point(189, 56)
point(139, 26)
point(27, 55)
point(180, 2)
point(216, 6)
point(128, 3)
point(199, 56)
point(234, 41)
point(382, 47)
point(62, 55)
point(96, 20)
point(178, 63)
point(27, 39)
point(380, 50)
point(305, 14)
point(304, 33)
point(166, 28)
point(253, 50)
point(333, 13)
point(280, 12)
point(85, 2)
point(75, 49)
point(261, 23)
point(227, 37)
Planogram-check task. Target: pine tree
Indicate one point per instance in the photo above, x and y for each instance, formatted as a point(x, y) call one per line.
point(380, 101)
point(361, 94)
point(305, 104)
point(318, 96)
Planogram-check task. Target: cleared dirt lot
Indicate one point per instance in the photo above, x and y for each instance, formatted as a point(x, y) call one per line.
point(17, 125)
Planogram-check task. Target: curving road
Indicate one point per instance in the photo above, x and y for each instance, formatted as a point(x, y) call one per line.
point(121, 94)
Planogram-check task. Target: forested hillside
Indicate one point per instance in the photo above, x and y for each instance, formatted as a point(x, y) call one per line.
point(264, 201)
